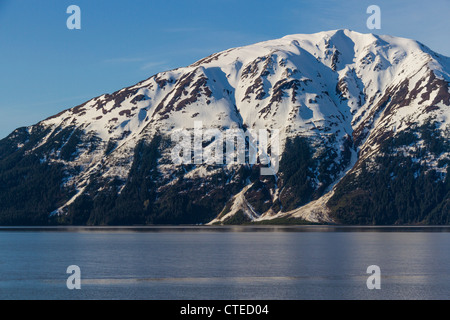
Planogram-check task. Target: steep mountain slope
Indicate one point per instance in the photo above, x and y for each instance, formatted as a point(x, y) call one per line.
point(364, 131)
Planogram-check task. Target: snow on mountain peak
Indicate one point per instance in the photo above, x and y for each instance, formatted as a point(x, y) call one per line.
point(342, 89)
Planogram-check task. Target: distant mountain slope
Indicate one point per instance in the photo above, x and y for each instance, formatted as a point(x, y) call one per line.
point(364, 128)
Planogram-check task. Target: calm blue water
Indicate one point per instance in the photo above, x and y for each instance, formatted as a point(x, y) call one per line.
point(225, 263)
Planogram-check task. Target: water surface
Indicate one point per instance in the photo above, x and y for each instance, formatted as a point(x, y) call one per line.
point(307, 262)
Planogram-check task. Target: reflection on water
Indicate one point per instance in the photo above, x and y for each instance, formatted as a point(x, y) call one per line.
point(244, 228)
point(308, 262)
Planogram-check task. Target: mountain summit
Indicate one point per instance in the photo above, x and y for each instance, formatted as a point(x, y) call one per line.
point(364, 124)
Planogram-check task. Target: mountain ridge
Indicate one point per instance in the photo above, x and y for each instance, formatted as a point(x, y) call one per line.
point(337, 97)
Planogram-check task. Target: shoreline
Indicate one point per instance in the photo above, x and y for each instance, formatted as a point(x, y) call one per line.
point(227, 228)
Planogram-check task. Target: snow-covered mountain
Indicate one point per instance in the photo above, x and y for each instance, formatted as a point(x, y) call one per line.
point(352, 109)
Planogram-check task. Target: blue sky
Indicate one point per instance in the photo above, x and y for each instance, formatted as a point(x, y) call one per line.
point(46, 68)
